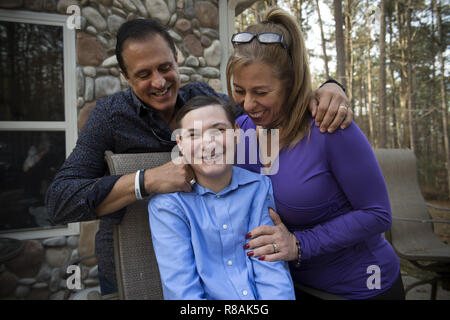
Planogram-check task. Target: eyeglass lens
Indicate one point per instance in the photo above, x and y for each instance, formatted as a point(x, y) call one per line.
point(243, 37)
point(269, 38)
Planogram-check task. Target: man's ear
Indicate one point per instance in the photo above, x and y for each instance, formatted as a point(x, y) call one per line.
point(123, 73)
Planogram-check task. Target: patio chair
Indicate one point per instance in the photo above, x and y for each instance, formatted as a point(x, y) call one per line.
point(411, 234)
point(137, 270)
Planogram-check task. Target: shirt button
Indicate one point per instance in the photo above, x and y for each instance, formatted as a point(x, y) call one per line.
point(225, 226)
point(230, 262)
point(245, 292)
point(217, 196)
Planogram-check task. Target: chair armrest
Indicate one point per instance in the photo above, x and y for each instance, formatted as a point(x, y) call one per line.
point(437, 207)
point(420, 220)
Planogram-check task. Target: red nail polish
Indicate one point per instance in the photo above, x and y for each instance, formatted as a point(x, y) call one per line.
point(246, 246)
point(248, 235)
point(261, 258)
point(250, 253)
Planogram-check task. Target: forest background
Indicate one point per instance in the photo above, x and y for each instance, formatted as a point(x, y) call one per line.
point(391, 56)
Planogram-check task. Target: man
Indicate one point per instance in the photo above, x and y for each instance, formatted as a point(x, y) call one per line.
point(140, 119)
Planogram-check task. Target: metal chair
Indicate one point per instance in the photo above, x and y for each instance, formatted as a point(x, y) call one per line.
point(137, 270)
point(411, 234)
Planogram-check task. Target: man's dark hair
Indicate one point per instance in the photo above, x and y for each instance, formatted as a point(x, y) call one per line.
point(203, 101)
point(140, 29)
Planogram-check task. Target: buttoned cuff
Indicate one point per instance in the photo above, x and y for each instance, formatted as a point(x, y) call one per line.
point(100, 189)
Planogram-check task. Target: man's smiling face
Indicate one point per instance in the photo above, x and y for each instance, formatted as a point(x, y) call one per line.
point(152, 72)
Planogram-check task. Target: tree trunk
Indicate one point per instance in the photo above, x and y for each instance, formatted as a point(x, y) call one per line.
point(362, 105)
point(411, 100)
point(296, 9)
point(369, 80)
point(443, 94)
point(436, 140)
point(349, 49)
point(382, 78)
point(403, 75)
point(340, 50)
point(257, 8)
point(395, 126)
point(324, 47)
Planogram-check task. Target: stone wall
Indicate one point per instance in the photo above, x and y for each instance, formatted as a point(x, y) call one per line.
point(193, 25)
point(39, 272)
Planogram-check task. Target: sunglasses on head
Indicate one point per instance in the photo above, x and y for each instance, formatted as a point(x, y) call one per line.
point(266, 38)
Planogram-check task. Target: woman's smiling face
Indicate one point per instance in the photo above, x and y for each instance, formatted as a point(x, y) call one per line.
point(260, 93)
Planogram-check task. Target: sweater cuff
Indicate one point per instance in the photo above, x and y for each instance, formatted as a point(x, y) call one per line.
point(306, 250)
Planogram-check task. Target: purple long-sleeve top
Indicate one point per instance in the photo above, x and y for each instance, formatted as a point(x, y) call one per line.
point(330, 192)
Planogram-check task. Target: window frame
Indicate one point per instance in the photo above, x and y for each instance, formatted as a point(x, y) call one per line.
point(69, 125)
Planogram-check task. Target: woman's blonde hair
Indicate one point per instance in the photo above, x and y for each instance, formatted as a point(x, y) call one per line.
point(289, 65)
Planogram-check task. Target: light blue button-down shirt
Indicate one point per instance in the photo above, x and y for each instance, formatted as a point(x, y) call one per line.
point(199, 236)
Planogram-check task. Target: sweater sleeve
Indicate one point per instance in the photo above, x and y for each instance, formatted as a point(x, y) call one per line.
point(353, 164)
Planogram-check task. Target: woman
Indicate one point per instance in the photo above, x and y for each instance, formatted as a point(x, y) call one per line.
point(198, 236)
point(328, 189)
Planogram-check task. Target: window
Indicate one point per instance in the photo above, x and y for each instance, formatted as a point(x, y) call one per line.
point(37, 117)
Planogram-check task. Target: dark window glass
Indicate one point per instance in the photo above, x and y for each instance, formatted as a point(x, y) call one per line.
point(28, 162)
point(31, 72)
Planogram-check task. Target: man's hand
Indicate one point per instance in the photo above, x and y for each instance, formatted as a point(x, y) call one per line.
point(330, 107)
point(171, 177)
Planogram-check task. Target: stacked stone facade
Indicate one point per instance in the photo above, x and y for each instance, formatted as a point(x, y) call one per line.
point(39, 272)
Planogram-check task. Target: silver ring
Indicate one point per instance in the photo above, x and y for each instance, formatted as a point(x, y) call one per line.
point(343, 106)
point(275, 248)
point(192, 181)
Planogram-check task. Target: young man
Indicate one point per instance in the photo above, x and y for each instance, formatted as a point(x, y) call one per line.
point(196, 232)
point(140, 119)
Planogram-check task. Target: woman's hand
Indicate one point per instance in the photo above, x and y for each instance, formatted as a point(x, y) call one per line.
point(329, 106)
point(265, 239)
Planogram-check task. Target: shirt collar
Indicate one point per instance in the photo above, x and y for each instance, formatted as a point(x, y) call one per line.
point(240, 177)
point(142, 108)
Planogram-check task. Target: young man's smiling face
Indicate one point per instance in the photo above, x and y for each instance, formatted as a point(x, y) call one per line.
point(204, 143)
point(152, 72)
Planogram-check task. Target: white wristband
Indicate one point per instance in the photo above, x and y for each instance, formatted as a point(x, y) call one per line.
point(137, 189)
